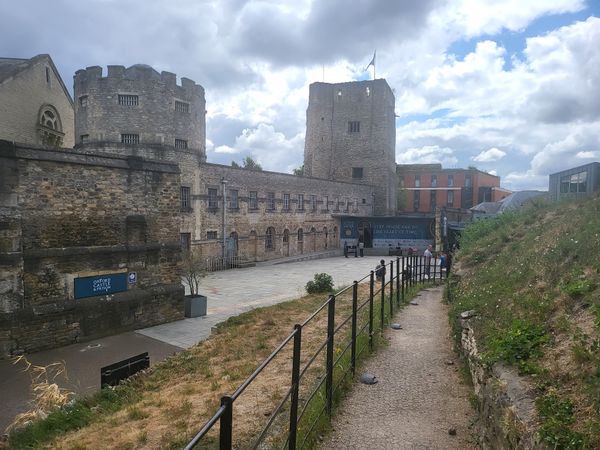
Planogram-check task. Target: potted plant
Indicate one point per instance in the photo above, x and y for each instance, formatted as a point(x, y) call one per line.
point(194, 303)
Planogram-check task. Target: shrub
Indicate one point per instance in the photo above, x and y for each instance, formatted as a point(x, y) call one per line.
point(321, 283)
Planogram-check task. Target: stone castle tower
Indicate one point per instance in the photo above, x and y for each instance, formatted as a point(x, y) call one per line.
point(138, 105)
point(350, 136)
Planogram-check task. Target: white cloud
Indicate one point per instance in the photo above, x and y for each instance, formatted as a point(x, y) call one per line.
point(427, 155)
point(493, 154)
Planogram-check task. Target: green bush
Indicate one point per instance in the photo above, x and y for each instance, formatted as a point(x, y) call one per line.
point(321, 283)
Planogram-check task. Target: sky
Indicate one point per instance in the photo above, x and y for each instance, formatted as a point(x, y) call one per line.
point(511, 87)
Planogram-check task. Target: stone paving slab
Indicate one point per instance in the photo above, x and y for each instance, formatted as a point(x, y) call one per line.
point(419, 396)
point(233, 292)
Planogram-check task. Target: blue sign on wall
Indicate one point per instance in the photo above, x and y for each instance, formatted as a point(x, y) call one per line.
point(100, 285)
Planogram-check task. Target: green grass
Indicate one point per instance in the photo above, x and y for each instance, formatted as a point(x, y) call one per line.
point(532, 277)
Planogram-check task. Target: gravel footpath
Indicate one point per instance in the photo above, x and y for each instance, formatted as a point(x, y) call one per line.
point(420, 396)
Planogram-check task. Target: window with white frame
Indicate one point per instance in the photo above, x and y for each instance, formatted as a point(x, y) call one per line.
point(233, 199)
point(182, 106)
point(128, 138)
point(301, 202)
point(213, 202)
point(185, 197)
point(270, 201)
point(253, 200)
point(181, 143)
point(286, 202)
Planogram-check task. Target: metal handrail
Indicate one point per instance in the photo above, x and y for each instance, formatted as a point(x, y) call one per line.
point(297, 411)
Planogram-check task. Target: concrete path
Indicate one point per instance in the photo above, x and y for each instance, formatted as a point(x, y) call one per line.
point(420, 395)
point(229, 293)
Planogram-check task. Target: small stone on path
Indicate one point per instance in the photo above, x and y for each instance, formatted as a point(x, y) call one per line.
point(452, 431)
point(396, 326)
point(367, 378)
point(414, 302)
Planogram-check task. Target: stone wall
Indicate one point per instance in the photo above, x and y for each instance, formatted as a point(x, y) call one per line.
point(333, 147)
point(65, 216)
point(25, 93)
point(155, 118)
point(318, 222)
point(507, 415)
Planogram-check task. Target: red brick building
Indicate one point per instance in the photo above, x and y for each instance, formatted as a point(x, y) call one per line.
point(423, 187)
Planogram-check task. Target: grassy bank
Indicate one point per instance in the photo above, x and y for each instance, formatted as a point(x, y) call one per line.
point(533, 277)
point(165, 406)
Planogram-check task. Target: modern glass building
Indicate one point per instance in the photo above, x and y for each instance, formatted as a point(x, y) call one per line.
point(576, 182)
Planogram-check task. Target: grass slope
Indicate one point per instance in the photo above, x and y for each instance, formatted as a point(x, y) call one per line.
point(165, 406)
point(533, 277)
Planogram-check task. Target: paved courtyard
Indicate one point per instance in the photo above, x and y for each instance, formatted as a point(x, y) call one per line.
point(229, 293)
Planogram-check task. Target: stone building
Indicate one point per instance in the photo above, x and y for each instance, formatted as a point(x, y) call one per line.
point(35, 106)
point(137, 105)
point(88, 245)
point(351, 136)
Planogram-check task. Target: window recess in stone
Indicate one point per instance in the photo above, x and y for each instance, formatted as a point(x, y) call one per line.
point(270, 201)
point(186, 240)
point(233, 199)
point(181, 144)
point(357, 172)
point(186, 204)
point(130, 138)
point(83, 101)
point(253, 200)
point(182, 107)
point(300, 202)
point(212, 199)
point(128, 100)
point(211, 235)
point(286, 202)
point(354, 127)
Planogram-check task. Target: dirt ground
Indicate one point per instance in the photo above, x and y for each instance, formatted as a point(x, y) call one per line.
point(420, 400)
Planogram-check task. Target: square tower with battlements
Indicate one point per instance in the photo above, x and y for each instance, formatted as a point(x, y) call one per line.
point(351, 135)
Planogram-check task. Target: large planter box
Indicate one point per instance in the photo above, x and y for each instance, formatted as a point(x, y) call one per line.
point(195, 306)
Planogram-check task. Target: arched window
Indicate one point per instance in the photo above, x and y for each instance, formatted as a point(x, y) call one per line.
point(50, 127)
point(286, 236)
point(300, 235)
point(270, 239)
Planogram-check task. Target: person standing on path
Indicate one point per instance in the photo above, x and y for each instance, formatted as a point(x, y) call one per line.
point(427, 254)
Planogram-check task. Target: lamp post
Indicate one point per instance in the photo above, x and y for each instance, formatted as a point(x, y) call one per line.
point(223, 227)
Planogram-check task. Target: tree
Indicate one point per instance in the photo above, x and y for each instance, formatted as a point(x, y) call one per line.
point(247, 163)
point(193, 271)
point(299, 171)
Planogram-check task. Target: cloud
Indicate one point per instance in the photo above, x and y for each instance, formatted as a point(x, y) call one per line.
point(493, 154)
point(429, 154)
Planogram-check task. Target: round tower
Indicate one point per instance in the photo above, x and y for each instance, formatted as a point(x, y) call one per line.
point(138, 105)
point(351, 136)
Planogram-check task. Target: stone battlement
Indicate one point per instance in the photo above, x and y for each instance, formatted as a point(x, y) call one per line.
point(140, 73)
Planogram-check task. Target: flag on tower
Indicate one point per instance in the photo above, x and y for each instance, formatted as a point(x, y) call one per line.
point(372, 63)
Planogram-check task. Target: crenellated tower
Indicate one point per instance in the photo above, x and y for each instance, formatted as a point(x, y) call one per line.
point(138, 105)
point(350, 136)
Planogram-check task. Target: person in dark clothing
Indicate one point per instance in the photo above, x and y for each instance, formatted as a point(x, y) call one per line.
point(380, 269)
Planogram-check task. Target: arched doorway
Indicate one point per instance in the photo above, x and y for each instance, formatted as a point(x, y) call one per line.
point(252, 244)
point(336, 238)
point(365, 235)
point(326, 238)
point(286, 242)
point(300, 241)
point(313, 238)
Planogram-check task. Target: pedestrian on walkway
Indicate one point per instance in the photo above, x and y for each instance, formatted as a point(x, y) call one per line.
point(380, 269)
point(427, 254)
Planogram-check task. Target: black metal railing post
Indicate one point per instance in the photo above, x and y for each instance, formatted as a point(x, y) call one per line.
point(354, 321)
point(391, 289)
point(403, 281)
point(329, 368)
point(371, 287)
point(295, 387)
point(398, 280)
point(226, 424)
point(382, 300)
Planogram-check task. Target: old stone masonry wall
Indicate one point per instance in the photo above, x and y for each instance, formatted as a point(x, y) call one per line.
point(71, 222)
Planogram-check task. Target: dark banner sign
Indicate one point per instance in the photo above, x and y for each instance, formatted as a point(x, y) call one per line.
point(100, 285)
